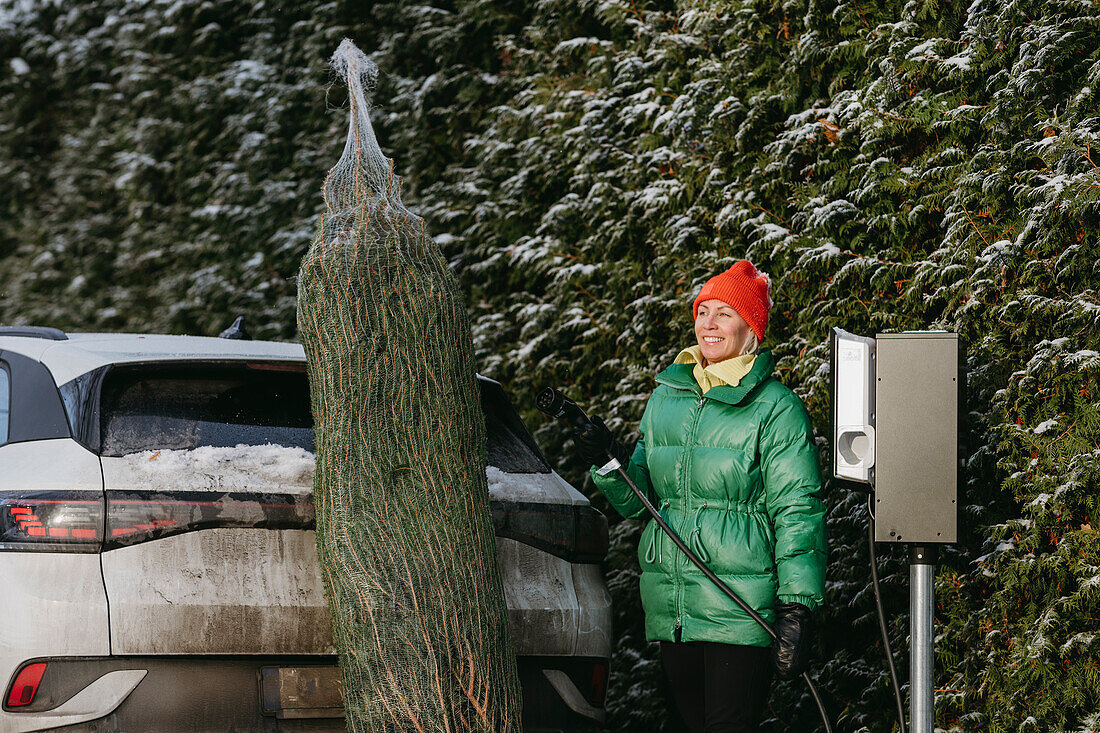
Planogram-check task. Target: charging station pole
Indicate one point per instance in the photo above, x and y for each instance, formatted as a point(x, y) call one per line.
point(922, 604)
point(897, 419)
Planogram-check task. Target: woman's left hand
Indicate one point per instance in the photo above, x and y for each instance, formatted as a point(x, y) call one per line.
point(791, 648)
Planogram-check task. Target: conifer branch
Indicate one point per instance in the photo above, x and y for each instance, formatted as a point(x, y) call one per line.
point(975, 226)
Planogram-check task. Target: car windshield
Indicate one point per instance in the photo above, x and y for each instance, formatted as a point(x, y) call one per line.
point(186, 407)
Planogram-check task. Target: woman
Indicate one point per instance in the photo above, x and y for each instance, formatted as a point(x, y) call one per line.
point(728, 456)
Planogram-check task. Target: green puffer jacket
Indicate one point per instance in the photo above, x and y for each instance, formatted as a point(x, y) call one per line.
point(735, 473)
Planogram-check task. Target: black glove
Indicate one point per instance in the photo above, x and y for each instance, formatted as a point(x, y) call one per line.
point(594, 442)
point(791, 648)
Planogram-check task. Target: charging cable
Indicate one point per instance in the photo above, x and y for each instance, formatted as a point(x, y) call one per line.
point(882, 614)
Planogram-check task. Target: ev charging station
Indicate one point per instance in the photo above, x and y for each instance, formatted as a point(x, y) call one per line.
point(898, 418)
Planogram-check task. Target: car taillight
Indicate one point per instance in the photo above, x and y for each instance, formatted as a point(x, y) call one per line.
point(590, 541)
point(575, 533)
point(25, 685)
point(597, 687)
point(569, 676)
point(134, 516)
point(52, 521)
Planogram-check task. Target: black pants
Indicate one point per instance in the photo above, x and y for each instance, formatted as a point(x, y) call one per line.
point(718, 688)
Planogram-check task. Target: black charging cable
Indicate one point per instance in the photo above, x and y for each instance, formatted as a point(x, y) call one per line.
point(882, 614)
point(557, 405)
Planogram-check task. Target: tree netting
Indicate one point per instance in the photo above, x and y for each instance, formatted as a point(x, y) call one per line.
point(404, 535)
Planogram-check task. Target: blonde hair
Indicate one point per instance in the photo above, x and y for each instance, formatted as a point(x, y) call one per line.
point(751, 344)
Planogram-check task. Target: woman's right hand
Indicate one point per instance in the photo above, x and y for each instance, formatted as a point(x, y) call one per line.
point(596, 444)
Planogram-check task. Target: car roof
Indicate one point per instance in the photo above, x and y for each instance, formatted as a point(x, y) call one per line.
point(80, 353)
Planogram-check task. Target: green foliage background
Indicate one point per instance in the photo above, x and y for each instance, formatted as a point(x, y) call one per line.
point(586, 165)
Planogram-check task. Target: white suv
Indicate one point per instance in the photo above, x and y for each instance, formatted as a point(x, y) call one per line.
point(157, 553)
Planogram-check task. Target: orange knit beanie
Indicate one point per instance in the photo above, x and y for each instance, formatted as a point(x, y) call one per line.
point(743, 288)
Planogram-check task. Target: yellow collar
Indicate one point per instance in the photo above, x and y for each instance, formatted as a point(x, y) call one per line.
point(730, 371)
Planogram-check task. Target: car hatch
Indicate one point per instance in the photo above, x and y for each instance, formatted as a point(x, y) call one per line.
point(201, 462)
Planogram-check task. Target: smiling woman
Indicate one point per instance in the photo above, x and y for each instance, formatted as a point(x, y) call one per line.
point(728, 452)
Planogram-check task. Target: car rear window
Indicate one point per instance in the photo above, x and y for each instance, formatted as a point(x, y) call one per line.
point(185, 407)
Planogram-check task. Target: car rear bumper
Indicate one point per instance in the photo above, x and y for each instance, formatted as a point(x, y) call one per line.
point(195, 694)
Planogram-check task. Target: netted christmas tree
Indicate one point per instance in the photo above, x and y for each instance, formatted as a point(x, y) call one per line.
point(404, 535)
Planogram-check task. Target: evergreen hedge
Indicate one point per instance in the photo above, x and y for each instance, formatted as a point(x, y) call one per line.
point(586, 166)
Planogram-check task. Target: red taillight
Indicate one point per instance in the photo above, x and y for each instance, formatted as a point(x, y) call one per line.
point(56, 521)
point(25, 685)
point(598, 687)
point(73, 521)
point(277, 366)
point(134, 517)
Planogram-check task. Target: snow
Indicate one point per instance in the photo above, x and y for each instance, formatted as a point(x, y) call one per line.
point(1002, 546)
point(725, 107)
point(837, 210)
point(212, 211)
point(246, 75)
point(536, 487)
point(524, 352)
point(19, 66)
point(575, 272)
point(959, 61)
point(963, 108)
point(824, 251)
point(259, 468)
point(568, 204)
point(1045, 426)
point(579, 43)
point(282, 469)
point(132, 164)
point(657, 195)
point(1054, 185)
point(12, 11)
point(1084, 359)
point(924, 49)
point(1002, 247)
point(1040, 500)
